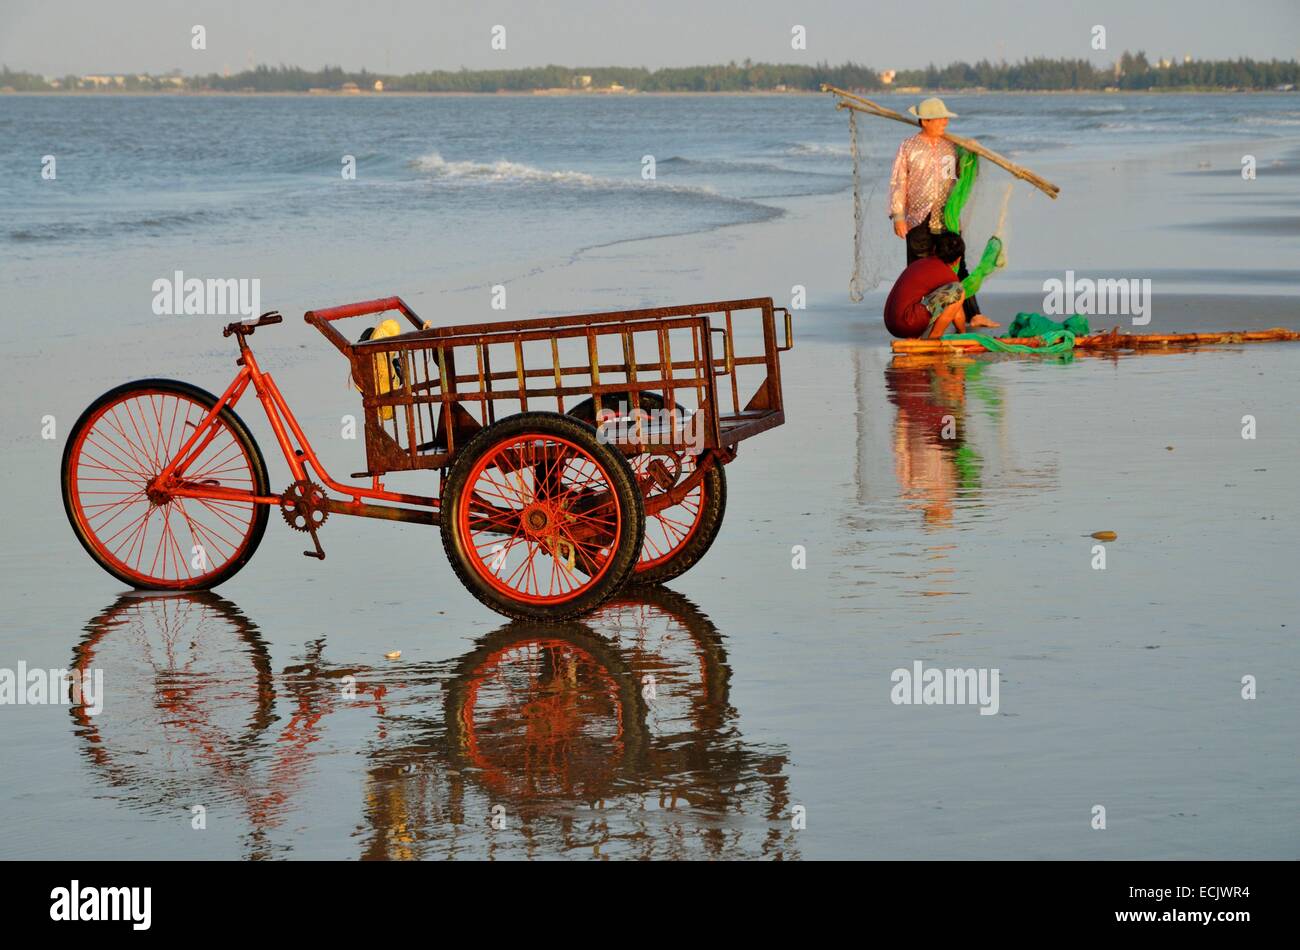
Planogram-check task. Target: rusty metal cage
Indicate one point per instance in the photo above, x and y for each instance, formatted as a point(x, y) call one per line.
point(426, 392)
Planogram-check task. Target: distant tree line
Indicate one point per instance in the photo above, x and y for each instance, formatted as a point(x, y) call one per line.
point(1133, 71)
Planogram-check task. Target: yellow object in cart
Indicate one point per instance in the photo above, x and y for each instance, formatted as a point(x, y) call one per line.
point(387, 375)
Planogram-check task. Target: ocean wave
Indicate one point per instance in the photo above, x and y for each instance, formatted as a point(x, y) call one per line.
point(111, 225)
point(1131, 127)
point(721, 166)
point(817, 148)
point(24, 235)
point(506, 171)
point(1279, 118)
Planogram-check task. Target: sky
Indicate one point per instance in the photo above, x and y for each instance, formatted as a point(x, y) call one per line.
point(56, 37)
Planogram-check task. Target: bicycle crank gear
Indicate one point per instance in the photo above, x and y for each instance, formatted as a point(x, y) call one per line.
point(303, 505)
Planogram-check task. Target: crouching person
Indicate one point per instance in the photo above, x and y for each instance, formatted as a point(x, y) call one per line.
point(927, 298)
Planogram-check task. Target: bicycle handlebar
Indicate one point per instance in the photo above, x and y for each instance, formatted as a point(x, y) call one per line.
point(245, 327)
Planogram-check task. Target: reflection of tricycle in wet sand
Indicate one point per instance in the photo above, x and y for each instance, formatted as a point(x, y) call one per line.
point(544, 514)
point(614, 734)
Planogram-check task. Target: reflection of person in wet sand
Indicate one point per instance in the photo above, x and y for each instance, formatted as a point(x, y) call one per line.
point(930, 456)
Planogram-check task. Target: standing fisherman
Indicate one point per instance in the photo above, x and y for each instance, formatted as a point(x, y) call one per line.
point(923, 175)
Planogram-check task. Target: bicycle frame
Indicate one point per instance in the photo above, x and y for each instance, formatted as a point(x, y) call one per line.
point(299, 455)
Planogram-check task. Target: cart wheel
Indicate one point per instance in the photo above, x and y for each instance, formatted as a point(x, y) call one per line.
point(553, 712)
point(540, 520)
point(148, 540)
point(677, 537)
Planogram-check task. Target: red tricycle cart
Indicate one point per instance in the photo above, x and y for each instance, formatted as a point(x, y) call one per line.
point(573, 453)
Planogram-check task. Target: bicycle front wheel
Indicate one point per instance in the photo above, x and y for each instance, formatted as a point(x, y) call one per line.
point(144, 537)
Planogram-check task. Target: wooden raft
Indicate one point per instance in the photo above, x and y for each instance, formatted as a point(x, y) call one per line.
point(1114, 340)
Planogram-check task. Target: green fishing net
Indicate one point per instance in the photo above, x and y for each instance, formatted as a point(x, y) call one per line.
point(1053, 342)
point(968, 167)
point(990, 260)
point(1056, 338)
point(1035, 324)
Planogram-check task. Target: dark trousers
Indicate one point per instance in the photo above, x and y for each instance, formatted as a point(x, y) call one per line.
point(920, 243)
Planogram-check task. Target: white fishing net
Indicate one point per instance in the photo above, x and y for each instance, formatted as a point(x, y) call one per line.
point(869, 249)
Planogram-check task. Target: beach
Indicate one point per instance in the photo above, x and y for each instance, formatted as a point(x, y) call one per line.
point(1120, 687)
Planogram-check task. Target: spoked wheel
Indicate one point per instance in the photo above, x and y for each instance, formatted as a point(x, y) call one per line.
point(539, 519)
point(552, 713)
point(676, 537)
point(133, 527)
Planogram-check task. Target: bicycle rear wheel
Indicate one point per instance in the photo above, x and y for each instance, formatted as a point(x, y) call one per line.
point(144, 537)
point(678, 536)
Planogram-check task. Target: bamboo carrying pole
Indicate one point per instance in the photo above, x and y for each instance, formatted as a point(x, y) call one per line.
point(859, 104)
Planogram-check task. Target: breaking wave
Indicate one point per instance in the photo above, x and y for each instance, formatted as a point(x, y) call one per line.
point(504, 171)
point(818, 148)
point(508, 172)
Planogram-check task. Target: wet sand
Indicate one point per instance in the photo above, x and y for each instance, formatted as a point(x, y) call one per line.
point(1118, 687)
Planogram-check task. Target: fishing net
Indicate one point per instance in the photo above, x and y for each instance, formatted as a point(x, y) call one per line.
point(873, 249)
point(971, 212)
point(1035, 324)
point(1055, 338)
point(1054, 342)
point(968, 169)
point(990, 260)
point(855, 280)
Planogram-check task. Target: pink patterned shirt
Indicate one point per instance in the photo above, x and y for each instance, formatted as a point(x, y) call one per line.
point(924, 172)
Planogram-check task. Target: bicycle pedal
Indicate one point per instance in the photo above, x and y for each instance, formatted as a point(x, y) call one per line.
point(319, 553)
point(660, 475)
